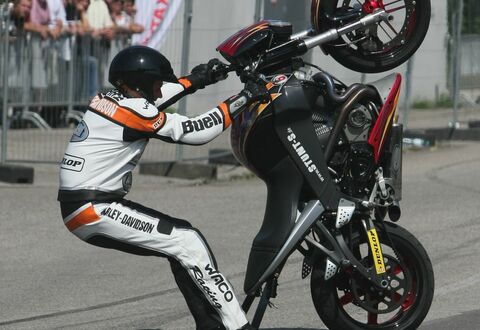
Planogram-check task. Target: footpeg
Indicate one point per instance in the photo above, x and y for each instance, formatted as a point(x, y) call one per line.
point(330, 269)
point(306, 268)
point(344, 212)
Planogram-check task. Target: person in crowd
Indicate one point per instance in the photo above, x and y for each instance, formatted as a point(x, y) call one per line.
point(39, 21)
point(58, 17)
point(19, 17)
point(76, 12)
point(129, 8)
point(123, 22)
point(19, 14)
point(98, 165)
point(99, 20)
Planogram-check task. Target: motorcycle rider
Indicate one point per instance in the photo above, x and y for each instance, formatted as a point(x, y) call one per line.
point(96, 174)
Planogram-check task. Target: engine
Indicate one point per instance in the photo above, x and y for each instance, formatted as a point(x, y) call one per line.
point(352, 164)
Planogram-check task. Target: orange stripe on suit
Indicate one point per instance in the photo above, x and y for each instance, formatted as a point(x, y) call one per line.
point(127, 117)
point(224, 108)
point(83, 218)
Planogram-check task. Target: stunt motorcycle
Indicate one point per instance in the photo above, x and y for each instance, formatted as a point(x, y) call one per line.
point(331, 158)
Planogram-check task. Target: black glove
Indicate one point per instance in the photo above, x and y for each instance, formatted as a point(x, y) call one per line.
point(206, 74)
point(254, 91)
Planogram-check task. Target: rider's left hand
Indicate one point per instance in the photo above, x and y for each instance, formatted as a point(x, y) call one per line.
point(206, 74)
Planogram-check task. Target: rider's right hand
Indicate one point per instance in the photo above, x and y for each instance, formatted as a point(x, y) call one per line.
point(255, 91)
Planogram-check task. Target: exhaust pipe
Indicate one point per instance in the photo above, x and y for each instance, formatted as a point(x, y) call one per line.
point(394, 211)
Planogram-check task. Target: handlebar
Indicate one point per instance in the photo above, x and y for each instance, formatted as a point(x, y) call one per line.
point(333, 34)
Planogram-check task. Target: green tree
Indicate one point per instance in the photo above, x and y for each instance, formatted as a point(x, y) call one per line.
point(471, 16)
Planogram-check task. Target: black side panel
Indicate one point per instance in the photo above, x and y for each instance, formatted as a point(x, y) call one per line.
point(284, 183)
point(294, 127)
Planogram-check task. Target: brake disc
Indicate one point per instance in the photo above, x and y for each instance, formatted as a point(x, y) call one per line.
point(382, 301)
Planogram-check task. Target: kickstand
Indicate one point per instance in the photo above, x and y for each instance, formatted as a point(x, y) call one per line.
point(247, 303)
point(268, 292)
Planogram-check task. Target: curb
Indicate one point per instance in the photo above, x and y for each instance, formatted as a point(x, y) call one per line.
point(16, 174)
point(462, 134)
point(221, 165)
point(428, 137)
point(418, 139)
point(180, 170)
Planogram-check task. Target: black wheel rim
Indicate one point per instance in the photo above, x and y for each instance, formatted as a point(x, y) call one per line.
point(358, 303)
point(385, 39)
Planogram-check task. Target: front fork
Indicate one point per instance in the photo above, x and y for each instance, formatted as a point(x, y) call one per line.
point(341, 256)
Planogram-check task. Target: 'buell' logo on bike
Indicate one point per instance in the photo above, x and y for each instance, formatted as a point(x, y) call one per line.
point(302, 153)
point(72, 163)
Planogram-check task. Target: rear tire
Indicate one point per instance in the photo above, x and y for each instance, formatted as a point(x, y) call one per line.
point(336, 304)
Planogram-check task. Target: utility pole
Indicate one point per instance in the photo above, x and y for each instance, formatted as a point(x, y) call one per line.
point(258, 10)
point(457, 60)
point(187, 31)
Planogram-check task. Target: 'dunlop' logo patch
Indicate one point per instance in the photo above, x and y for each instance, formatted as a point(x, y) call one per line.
point(72, 163)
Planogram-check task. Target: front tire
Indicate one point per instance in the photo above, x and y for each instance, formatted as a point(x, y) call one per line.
point(379, 48)
point(338, 300)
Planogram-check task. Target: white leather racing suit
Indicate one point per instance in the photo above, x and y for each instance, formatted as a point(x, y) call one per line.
point(96, 174)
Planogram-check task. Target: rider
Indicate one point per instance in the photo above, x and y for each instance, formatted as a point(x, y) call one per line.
point(96, 174)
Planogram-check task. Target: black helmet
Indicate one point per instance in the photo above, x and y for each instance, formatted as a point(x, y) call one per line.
point(138, 67)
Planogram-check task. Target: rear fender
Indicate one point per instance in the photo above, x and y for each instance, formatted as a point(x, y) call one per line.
point(388, 90)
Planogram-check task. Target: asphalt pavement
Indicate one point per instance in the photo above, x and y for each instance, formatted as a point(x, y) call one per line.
point(50, 279)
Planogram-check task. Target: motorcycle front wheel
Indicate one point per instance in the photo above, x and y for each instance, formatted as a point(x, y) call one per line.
point(349, 301)
point(378, 48)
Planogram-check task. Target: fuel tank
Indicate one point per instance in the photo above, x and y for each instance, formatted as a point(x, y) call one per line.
point(253, 138)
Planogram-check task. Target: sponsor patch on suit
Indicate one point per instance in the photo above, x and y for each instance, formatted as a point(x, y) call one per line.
point(72, 163)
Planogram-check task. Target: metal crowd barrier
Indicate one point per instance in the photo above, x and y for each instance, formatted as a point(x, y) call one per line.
point(45, 86)
point(49, 81)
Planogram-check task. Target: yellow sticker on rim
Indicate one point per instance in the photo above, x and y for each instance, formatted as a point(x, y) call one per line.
point(376, 251)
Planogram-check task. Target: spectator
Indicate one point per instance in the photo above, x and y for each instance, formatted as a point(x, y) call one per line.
point(102, 30)
point(59, 27)
point(99, 19)
point(39, 19)
point(19, 15)
point(85, 65)
point(59, 56)
point(123, 22)
point(46, 25)
point(58, 17)
point(76, 12)
point(129, 8)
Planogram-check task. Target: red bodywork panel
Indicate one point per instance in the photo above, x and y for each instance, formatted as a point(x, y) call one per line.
point(384, 121)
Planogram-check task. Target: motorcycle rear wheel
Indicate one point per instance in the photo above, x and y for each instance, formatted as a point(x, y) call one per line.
point(375, 49)
point(337, 300)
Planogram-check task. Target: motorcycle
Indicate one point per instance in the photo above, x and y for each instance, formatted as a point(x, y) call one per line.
point(331, 158)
